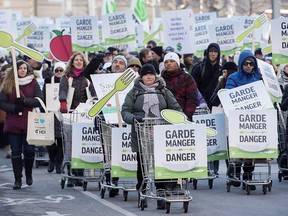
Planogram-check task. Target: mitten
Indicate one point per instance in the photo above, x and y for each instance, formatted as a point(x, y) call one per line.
point(139, 118)
point(19, 108)
point(63, 107)
point(20, 101)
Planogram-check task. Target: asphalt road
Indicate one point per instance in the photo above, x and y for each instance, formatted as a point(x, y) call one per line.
point(46, 198)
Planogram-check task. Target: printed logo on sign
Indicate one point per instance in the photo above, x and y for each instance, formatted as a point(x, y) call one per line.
point(42, 121)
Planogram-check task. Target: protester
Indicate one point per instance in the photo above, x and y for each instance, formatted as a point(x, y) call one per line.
point(135, 64)
point(258, 53)
point(74, 78)
point(282, 75)
point(55, 151)
point(188, 62)
point(151, 44)
point(247, 73)
point(15, 124)
point(181, 84)
point(148, 103)
point(145, 56)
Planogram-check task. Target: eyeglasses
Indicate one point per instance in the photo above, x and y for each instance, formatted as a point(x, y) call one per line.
point(249, 63)
point(59, 70)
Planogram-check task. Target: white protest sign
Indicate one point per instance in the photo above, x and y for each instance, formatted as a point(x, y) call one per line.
point(279, 33)
point(40, 39)
point(216, 145)
point(124, 161)
point(52, 96)
point(180, 151)
point(246, 97)
point(254, 134)
point(178, 30)
point(201, 36)
point(87, 151)
point(224, 34)
point(204, 18)
point(6, 20)
point(103, 84)
point(270, 80)
point(119, 30)
point(63, 23)
point(85, 33)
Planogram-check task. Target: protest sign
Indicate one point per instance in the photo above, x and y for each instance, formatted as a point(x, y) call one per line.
point(204, 18)
point(180, 151)
point(216, 144)
point(52, 96)
point(279, 33)
point(178, 30)
point(87, 151)
point(85, 33)
point(254, 134)
point(246, 97)
point(63, 23)
point(124, 161)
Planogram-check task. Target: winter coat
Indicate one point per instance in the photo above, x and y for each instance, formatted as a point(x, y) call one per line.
point(184, 89)
point(79, 84)
point(206, 75)
point(241, 77)
point(133, 106)
point(15, 123)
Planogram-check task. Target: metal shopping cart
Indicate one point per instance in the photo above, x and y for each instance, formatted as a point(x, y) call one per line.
point(107, 182)
point(89, 175)
point(145, 134)
point(211, 175)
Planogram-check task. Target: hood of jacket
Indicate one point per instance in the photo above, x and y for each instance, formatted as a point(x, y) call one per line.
point(218, 48)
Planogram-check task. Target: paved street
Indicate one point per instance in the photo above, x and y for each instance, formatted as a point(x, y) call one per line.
point(46, 198)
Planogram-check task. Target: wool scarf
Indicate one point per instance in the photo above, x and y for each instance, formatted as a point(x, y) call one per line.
point(151, 101)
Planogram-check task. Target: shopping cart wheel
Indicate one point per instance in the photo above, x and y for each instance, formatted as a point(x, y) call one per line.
point(279, 176)
point(264, 189)
point(270, 186)
point(85, 185)
point(63, 180)
point(195, 181)
point(248, 189)
point(228, 186)
point(102, 192)
point(167, 207)
point(125, 195)
point(185, 206)
point(210, 183)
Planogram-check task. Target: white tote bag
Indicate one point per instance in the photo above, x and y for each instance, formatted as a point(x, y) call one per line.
point(40, 127)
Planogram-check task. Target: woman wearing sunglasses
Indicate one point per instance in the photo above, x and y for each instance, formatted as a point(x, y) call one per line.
point(55, 151)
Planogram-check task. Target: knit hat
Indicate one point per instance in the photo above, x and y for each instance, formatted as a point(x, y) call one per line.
point(172, 56)
point(230, 66)
point(134, 61)
point(158, 50)
point(122, 58)
point(147, 69)
point(59, 65)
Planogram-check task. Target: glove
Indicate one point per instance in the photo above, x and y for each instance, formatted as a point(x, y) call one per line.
point(20, 101)
point(19, 108)
point(139, 118)
point(203, 105)
point(99, 57)
point(63, 107)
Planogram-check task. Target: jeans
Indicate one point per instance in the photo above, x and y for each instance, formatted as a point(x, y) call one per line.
point(19, 145)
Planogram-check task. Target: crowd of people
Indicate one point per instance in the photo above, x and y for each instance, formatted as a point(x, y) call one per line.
point(166, 80)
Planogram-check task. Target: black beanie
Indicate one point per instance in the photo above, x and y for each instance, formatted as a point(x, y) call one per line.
point(231, 66)
point(147, 69)
point(158, 50)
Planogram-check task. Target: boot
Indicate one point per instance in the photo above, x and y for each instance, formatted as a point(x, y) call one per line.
point(28, 170)
point(114, 191)
point(58, 167)
point(70, 182)
point(17, 170)
point(51, 165)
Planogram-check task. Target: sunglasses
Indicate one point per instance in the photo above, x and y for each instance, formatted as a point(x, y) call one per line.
point(59, 70)
point(134, 66)
point(149, 47)
point(249, 63)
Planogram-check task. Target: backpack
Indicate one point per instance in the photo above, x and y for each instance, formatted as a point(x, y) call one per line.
point(136, 94)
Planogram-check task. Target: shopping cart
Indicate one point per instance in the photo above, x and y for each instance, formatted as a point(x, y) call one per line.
point(211, 175)
point(89, 175)
point(261, 176)
point(145, 135)
point(107, 181)
point(41, 156)
point(283, 150)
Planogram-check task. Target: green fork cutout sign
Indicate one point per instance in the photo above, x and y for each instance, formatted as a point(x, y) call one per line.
point(7, 41)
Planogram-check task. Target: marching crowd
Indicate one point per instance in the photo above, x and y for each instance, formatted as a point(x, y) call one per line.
point(167, 80)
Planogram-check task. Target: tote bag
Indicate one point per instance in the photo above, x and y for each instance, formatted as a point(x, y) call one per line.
point(40, 128)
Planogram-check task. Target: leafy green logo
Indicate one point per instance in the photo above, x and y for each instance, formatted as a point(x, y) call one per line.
point(110, 7)
point(179, 46)
point(140, 10)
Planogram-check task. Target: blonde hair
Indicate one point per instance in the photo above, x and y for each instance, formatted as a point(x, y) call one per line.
point(8, 84)
point(70, 65)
